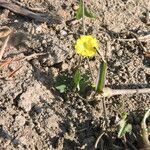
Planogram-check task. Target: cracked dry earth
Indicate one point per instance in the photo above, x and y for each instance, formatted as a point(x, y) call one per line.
point(33, 114)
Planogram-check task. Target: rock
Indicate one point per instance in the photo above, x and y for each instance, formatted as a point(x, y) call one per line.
point(63, 32)
point(25, 104)
point(19, 120)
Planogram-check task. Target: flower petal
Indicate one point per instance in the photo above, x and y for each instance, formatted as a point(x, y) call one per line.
point(86, 46)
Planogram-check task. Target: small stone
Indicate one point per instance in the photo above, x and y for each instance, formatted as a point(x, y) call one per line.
point(119, 53)
point(63, 32)
point(25, 104)
point(75, 7)
point(64, 14)
point(20, 120)
point(117, 64)
point(65, 66)
point(44, 42)
point(15, 20)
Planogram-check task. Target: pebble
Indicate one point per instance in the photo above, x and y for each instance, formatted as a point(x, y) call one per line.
point(20, 120)
point(117, 64)
point(75, 7)
point(119, 53)
point(16, 21)
point(25, 104)
point(65, 66)
point(63, 32)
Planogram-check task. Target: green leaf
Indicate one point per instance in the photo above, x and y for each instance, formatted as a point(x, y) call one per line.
point(61, 88)
point(88, 13)
point(77, 79)
point(124, 127)
point(80, 14)
point(128, 128)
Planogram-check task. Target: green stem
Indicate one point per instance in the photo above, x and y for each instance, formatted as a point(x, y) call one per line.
point(101, 77)
point(83, 23)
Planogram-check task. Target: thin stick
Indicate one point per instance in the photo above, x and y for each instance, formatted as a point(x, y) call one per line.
point(141, 45)
point(144, 38)
point(32, 56)
point(83, 23)
point(4, 47)
point(107, 92)
point(98, 139)
point(5, 63)
point(105, 113)
point(145, 130)
point(9, 61)
point(40, 17)
point(13, 72)
point(4, 31)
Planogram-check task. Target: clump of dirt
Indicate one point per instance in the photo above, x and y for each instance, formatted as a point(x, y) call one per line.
point(33, 114)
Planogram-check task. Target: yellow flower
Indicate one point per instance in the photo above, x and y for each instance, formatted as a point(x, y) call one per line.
point(86, 45)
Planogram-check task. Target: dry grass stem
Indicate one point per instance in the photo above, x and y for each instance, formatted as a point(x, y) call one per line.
point(4, 47)
point(13, 72)
point(144, 38)
point(107, 92)
point(9, 61)
point(144, 129)
point(98, 139)
point(4, 31)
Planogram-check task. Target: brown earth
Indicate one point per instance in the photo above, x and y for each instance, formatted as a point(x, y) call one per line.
point(34, 115)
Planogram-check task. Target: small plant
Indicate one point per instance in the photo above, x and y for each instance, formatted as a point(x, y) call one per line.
point(77, 79)
point(63, 83)
point(83, 11)
point(87, 46)
point(124, 126)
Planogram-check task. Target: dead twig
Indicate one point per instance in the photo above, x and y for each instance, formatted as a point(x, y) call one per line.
point(37, 9)
point(13, 72)
point(32, 56)
point(4, 47)
point(9, 61)
point(108, 92)
point(40, 17)
point(144, 130)
point(144, 38)
point(98, 139)
point(6, 62)
point(4, 31)
point(137, 38)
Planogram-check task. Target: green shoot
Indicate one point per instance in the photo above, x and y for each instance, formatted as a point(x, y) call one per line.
point(83, 12)
point(124, 126)
point(101, 77)
point(77, 79)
